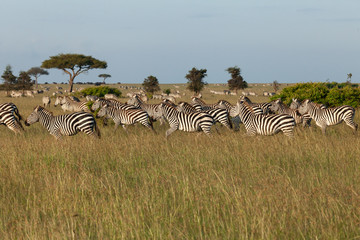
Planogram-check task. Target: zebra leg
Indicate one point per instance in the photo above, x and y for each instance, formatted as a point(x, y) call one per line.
point(170, 131)
point(57, 134)
point(323, 129)
point(351, 124)
point(206, 130)
point(117, 123)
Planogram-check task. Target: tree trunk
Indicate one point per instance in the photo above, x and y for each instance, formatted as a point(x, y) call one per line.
point(71, 83)
point(36, 83)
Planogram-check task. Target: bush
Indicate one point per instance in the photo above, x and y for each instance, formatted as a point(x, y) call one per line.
point(330, 94)
point(167, 91)
point(101, 91)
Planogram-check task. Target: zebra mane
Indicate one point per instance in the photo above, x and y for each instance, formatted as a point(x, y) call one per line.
point(42, 109)
point(245, 99)
point(198, 100)
point(246, 104)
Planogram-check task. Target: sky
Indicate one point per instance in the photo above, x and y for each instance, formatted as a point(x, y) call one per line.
point(282, 40)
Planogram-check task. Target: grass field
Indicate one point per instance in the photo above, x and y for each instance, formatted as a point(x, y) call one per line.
point(141, 186)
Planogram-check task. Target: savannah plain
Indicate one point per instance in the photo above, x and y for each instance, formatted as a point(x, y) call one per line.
point(139, 185)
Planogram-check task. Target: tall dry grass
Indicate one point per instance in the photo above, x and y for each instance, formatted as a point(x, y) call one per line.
point(140, 185)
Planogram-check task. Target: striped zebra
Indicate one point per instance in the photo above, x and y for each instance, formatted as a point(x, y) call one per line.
point(264, 124)
point(329, 116)
point(68, 104)
point(295, 104)
point(125, 116)
point(265, 107)
point(279, 107)
point(111, 102)
point(200, 105)
point(9, 119)
point(192, 122)
point(152, 109)
point(218, 114)
point(10, 107)
point(64, 125)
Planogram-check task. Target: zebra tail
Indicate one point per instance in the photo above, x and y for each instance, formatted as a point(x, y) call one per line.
point(230, 122)
point(97, 130)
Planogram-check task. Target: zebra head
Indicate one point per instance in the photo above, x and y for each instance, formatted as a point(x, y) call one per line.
point(103, 111)
point(304, 107)
point(96, 105)
point(275, 105)
point(33, 117)
point(58, 101)
point(295, 104)
point(134, 100)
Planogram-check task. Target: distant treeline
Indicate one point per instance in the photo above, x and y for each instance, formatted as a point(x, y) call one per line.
point(328, 93)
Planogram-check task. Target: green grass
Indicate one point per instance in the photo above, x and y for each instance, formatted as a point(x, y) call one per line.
point(140, 185)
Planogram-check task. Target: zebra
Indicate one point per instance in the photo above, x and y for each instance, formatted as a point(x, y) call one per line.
point(46, 101)
point(196, 121)
point(264, 124)
point(64, 125)
point(265, 107)
point(329, 116)
point(125, 116)
point(112, 102)
point(218, 114)
point(200, 105)
point(9, 119)
point(68, 104)
point(295, 104)
point(152, 109)
point(11, 107)
point(278, 106)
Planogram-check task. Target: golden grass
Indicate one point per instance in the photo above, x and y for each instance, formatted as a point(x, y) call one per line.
point(140, 185)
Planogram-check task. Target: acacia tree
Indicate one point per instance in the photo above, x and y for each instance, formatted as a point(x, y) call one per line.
point(236, 82)
point(195, 79)
point(105, 76)
point(73, 65)
point(37, 72)
point(24, 81)
point(151, 84)
point(349, 76)
point(9, 79)
point(276, 86)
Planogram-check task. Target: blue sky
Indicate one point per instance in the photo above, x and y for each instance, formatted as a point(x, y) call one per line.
point(287, 41)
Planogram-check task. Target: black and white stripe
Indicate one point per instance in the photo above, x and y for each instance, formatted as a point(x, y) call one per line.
point(264, 124)
point(64, 125)
point(152, 109)
point(111, 102)
point(192, 122)
point(10, 107)
point(9, 119)
point(279, 107)
point(218, 114)
point(295, 104)
point(200, 105)
point(265, 107)
point(125, 116)
point(329, 116)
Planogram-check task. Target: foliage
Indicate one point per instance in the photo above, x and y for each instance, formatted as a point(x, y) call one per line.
point(73, 64)
point(24, 81)
point(236, 82)
point(36, 72)
point(10, 80)
point(330, 94)
point(167, 91)
point(276, 86)
point(195, 79)
point(151, 84)
point(101, 91)
point(105, 76)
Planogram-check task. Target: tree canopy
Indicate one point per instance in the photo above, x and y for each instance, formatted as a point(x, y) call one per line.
point(236, 82)
point(104, 76)
point(151, 84)
point(24, 81)
point(73, 64)
point(195, 79)
point(37, 72)
point(9, 79)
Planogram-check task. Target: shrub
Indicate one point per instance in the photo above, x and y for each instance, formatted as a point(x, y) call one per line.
point(167, 91)
point(330, 94)
point(101, 91)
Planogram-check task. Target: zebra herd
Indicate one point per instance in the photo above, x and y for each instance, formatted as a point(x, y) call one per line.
point(258, 118)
